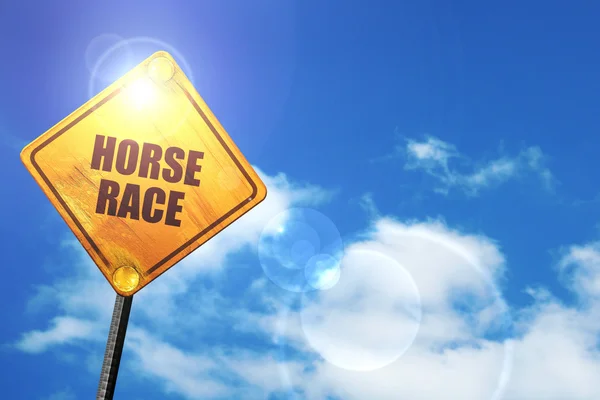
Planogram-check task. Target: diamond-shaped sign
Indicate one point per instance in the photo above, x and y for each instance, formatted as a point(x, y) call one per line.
point(143, 174)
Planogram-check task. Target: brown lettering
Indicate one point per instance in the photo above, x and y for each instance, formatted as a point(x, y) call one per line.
point(103, 153)
point(193, 167)
point(107, 197)
point(175, 174)
point(148, 202)
point(173, 208)
point(151, 155)
point(130, 203)
point(127, 157)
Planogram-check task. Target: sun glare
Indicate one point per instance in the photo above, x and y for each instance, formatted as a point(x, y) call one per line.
point(141, 92)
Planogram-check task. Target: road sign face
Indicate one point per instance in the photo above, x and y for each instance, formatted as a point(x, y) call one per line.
point(143, 174)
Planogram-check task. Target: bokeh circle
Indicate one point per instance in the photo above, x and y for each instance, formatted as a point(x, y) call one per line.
point(112, 68)
point(300, 250)
point(344, 323)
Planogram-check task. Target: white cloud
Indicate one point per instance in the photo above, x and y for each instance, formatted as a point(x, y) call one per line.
point(369, 319)
point(63, 330)
point(435, 157)
point(180, 372)
point(367, 203)
point(66, 394)
point(553, 356)
point(431, 152)
point(557, 355)
point(204, 374)
point(580, 267)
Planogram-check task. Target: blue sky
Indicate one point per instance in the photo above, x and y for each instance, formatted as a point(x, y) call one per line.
point(450, 145)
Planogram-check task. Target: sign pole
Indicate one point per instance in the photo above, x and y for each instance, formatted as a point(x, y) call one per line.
point(114, 348)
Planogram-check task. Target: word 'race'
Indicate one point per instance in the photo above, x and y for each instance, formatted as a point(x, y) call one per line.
point(144, 160)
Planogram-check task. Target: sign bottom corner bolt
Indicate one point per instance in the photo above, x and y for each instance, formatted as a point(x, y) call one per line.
point(126, 278)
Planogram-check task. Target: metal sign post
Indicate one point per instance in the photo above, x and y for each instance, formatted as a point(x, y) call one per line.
point(114, 348)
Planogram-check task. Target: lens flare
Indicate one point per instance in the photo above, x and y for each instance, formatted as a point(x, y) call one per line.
point(299, 248)
point(141, 93)
point(344, 324)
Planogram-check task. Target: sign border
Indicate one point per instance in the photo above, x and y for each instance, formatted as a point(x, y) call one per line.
point(181, 248)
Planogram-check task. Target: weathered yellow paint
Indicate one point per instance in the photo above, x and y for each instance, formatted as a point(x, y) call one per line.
point(153, 103)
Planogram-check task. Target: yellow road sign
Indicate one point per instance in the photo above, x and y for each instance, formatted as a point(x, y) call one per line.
point(143, 174)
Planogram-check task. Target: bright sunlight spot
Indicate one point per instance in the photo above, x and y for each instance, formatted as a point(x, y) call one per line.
point(141, 92)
